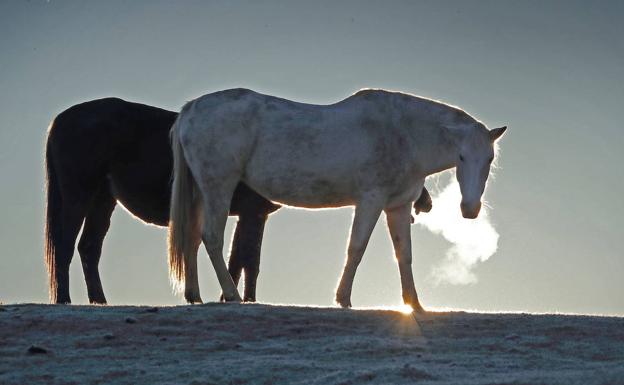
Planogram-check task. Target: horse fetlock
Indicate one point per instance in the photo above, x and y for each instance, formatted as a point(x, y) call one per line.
point(192, 297)
point(344, 302)
point(231, 297)
point(60, 291)
point(63, 299)
point(97, 301)
point(411, 299)
point(343, 298)
point(96, 294)
point(249, 298)
point(251, 276)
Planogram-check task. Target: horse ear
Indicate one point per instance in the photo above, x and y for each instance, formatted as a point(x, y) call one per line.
point(496, 133)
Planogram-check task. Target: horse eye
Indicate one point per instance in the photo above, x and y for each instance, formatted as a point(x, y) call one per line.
point(461, 158)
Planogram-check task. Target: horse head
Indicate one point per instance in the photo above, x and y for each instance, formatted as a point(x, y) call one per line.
point(475, 156)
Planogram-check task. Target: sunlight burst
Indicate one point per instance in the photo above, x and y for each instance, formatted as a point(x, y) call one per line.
point(405, 309)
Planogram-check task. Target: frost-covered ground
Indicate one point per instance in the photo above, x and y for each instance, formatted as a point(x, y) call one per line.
point(261, 344)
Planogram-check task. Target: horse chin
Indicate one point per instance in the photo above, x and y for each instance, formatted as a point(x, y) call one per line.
point(472, 215)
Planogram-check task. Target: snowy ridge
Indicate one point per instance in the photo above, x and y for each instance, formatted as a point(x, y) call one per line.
point(268, 344)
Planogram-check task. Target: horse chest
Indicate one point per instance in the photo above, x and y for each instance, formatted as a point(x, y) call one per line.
point(409, 191)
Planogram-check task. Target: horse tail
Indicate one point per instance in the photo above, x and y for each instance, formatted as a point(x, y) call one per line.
point(52, 217)
point(184, 215)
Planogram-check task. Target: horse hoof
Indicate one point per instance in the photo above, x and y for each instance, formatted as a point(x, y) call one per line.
point(419, 309)
point(416, 307)
point(344, 303)
point(97, 299)
point(193, 299)
point(61, 300)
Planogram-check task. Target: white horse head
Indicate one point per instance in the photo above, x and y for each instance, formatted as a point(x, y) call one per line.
point(476, 153)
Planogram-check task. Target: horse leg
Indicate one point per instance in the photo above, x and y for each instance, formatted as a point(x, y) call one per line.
point(245, 254)
point(217, 196)
point(72, 217)
point(237, 256)
point(191, 280)
point(423, 203)
point(95, 228)
point(399, 219)
point(250, 244)
point(252, 265)
point(364, 221)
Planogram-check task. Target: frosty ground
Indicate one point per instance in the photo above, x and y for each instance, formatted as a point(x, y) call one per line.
point(264, 344)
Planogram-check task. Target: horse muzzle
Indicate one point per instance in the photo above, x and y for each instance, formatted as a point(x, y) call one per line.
point(470, 211)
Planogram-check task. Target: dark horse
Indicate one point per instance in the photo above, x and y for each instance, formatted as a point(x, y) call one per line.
point(108, 150)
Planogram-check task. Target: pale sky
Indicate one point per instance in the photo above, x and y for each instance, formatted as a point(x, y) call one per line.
point(552, 71)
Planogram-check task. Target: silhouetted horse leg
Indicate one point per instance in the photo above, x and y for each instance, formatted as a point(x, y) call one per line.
point(245, 255)
point(423, 204)
point(72, 216)
point(90, 245)
point(398, 219)
point(235, 263)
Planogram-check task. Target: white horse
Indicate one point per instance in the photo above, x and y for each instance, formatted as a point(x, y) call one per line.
point(371, 150)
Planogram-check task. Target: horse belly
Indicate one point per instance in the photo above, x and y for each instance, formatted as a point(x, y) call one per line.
point(144, 190)
point(300, 188)
point(311, 168)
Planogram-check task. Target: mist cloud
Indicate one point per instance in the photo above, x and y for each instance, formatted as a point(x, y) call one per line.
point(472, 240)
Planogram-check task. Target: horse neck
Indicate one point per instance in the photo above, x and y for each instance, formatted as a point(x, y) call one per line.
point(438, 154)
point(436, 146)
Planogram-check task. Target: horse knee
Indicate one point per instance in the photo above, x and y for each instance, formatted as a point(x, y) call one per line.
point(355, 252)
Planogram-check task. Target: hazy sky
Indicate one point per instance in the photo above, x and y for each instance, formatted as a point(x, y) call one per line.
point(552, 71)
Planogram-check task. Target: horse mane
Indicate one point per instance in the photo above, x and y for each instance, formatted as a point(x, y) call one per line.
point(457, 116)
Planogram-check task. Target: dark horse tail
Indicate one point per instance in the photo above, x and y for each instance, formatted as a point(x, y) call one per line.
point(52, 218)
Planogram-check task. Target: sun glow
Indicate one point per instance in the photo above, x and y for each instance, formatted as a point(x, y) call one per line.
point(405, 309)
